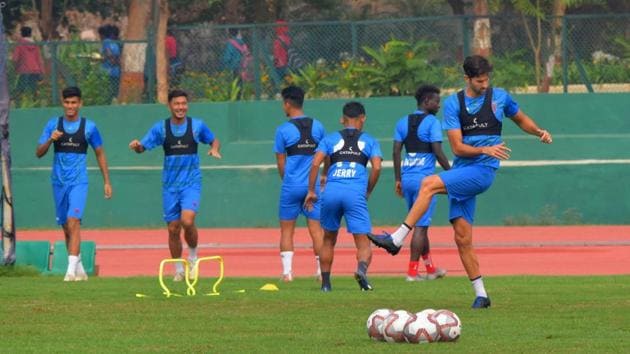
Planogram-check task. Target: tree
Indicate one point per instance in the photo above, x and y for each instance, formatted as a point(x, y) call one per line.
point(537, 9)
point(482, 37)
point(162, 64)
point(134, 54)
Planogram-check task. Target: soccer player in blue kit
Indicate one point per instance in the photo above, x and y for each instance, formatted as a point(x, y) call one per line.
point(347, 190)
point(473, 119)
point(70, 135)
point(295, 144)
point(179, 136)
point(421, 135)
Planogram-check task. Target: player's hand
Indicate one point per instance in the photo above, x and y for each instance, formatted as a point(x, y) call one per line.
point(499, 151)
point(310, 199)
point(136, 146)
point(108, 190)
point(56, 134)
point(398, 189)
point(214, 153)
point(545, 136)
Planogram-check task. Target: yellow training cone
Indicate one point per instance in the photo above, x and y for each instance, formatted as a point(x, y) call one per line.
point(269, 287)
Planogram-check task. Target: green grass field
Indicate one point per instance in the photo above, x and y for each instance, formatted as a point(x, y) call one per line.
point(529, 315)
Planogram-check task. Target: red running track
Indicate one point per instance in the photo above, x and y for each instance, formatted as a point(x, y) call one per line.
point(546, 250)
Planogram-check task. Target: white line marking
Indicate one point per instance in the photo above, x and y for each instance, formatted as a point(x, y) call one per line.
point(386, 164)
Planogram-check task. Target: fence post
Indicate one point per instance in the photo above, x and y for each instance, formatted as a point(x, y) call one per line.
point(355, 39)
point(565, 57)
point(256, 54)
point(465, 36)
point(53, 74)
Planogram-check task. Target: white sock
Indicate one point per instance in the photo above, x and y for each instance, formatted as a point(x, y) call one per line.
point(179, 267)
point(72, 265)
point(400, 234)
point(287, 261)
point(80, 269)
point(192, 253)
point(319, 268)
point(477, 284)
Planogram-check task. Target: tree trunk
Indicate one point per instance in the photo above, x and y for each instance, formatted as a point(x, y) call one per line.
point(555, 59)
point(162, 64)
point(134, 54)
point(458, 8)
point(46, 17)
point(482, 37)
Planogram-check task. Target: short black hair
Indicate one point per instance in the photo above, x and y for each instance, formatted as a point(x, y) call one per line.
point(425, 91)
point(294, 95)
point(26, 31)
point(476, 65)
point(233, 31)
point(353, 109)
point(71, 91)
point(177, 93)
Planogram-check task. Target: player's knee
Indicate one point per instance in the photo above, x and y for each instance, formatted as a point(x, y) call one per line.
point(174, 228)
point(188, 223)
point(430, 185)
point(463, 239)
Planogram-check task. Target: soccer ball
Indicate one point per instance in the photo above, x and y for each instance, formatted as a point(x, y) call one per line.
point(421, 330)
point(394, 325)
point(448, 325)
point(375, 323)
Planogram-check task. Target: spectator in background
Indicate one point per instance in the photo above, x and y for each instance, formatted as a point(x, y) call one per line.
point(175, 65)
point(281, 49)
point(28, 64)
point(110, 52)
point(237, 58)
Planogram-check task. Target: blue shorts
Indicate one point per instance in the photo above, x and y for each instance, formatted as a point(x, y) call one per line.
point(292, 203)
point(410, 188)
point(463, 184)
point(174, 201)
point(340, 201)
point(69, 201)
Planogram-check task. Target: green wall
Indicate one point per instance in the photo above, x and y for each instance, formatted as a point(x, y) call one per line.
point(588, 126)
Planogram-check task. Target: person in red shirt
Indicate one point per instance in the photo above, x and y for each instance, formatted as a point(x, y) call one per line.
point(281, 49)
point(28, 64)
point(175, 65)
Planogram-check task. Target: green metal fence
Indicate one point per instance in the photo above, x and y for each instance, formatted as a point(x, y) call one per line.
point(363, 58)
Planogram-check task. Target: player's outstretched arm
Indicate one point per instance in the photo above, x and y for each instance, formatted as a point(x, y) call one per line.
point(136, 146)
point(311, 196)
point(42, 149)
point(499, 151)
point(101, 159)
point(375, 173)
point(528, 125)
point(396, 152)
point(215, 149)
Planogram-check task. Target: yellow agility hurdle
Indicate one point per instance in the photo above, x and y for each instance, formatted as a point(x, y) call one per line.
point(190, 291)
point(192, 285)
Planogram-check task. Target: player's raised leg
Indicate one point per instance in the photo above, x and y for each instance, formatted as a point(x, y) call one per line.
point(431, 185)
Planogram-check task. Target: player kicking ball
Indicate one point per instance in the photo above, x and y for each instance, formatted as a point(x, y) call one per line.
point(473, 119)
